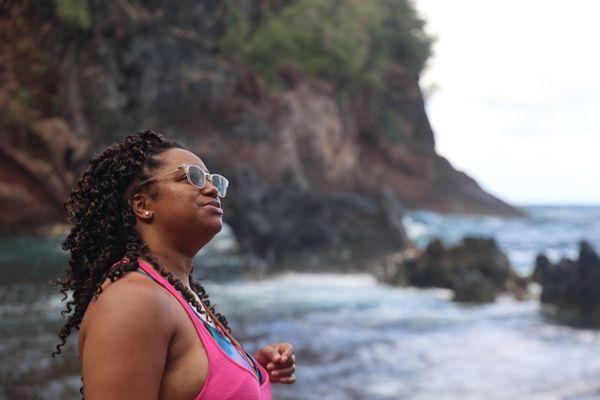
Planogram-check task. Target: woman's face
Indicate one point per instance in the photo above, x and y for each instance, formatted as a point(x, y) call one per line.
point(179, 212)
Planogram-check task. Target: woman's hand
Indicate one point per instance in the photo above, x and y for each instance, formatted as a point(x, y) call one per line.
point(279, 361)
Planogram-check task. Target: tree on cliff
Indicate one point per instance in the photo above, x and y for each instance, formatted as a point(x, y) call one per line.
point(351, 42)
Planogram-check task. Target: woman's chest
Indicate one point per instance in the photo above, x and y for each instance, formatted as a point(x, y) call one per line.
point(187, 363)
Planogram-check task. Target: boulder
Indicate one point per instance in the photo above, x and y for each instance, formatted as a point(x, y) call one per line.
point(571, 288)
point(476, 270)
point(471, 286)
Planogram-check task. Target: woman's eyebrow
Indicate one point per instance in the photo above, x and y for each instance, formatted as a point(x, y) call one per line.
point(201, 167)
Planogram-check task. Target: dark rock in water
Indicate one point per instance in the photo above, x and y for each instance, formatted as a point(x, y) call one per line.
point(542, 267)
point(473, 287)
point(394, 268)
point(476, 270)
point(292, 226)
point(572, 287)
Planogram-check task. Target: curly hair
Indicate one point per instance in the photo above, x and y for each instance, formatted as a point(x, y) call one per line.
point(103, 231)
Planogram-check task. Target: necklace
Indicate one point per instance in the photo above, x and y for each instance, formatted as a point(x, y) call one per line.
point(226, 333)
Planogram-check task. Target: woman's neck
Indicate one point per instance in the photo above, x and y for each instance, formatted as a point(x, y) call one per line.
point(180, 265)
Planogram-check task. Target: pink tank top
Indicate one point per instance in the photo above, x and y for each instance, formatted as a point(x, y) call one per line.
point(226, 379)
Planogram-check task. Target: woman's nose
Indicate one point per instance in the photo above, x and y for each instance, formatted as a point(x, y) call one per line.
point(210, 188)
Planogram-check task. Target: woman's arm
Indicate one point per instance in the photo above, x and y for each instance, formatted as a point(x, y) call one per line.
point(125, 349)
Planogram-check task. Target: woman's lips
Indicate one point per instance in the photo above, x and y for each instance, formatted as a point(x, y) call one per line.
point(214, 208)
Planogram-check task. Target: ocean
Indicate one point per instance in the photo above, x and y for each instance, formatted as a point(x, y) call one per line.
point(354, 337)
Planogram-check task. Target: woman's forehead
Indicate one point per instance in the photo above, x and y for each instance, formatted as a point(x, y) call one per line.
point(172, 158)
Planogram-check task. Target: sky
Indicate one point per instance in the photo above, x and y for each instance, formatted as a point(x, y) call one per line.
point(513, 95)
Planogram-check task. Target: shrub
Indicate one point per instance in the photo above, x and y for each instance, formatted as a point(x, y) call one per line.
point(349, 41)
point(393, 127)
point(74, 12)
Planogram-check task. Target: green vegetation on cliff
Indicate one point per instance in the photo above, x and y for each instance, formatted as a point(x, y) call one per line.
point(348, 41)
point(393, 127)
point(74, 12)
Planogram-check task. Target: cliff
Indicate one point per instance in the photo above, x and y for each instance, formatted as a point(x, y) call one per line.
point(74, 79)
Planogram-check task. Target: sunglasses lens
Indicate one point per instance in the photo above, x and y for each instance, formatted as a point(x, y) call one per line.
point(220, 183)
point(196, 176)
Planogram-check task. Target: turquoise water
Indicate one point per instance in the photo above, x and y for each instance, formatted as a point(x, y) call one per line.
point(355, 338)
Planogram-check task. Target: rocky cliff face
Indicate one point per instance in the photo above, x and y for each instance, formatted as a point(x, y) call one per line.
point(65, 88)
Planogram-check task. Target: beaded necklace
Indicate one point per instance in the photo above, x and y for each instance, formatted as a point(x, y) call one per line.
point(224, 331)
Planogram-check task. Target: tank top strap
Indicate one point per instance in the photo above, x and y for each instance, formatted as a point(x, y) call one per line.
point(204, 318)
point(200, 328)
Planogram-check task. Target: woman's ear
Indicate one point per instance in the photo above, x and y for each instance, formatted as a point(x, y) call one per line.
point(140, 207)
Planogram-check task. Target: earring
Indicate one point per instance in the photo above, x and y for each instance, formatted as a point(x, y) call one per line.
point(147, 214)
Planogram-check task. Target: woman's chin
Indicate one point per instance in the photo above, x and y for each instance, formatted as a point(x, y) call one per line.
point(214, 227)
point(219, 226)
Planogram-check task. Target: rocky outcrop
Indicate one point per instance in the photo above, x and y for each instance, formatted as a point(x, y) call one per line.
point(36, 172)
point(476, 270)
point(291, 225)
point(421, 178)
point(572, 287)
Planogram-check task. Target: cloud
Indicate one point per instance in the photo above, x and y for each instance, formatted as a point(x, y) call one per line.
point(518, 94)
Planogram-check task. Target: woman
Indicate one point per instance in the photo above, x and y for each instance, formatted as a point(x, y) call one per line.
point(147, 205)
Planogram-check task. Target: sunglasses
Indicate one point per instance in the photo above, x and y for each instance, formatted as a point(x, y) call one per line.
point(197, 177)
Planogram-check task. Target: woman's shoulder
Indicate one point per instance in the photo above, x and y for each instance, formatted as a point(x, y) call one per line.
point(129, 328)
point(134, 300)
point(132, 290)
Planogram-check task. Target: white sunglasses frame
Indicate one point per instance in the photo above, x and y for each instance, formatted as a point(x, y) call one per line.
point(186, 168)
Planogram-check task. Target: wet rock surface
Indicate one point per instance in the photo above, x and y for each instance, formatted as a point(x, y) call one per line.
point(476, 270)
point(292, 226)
point(571, 287)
